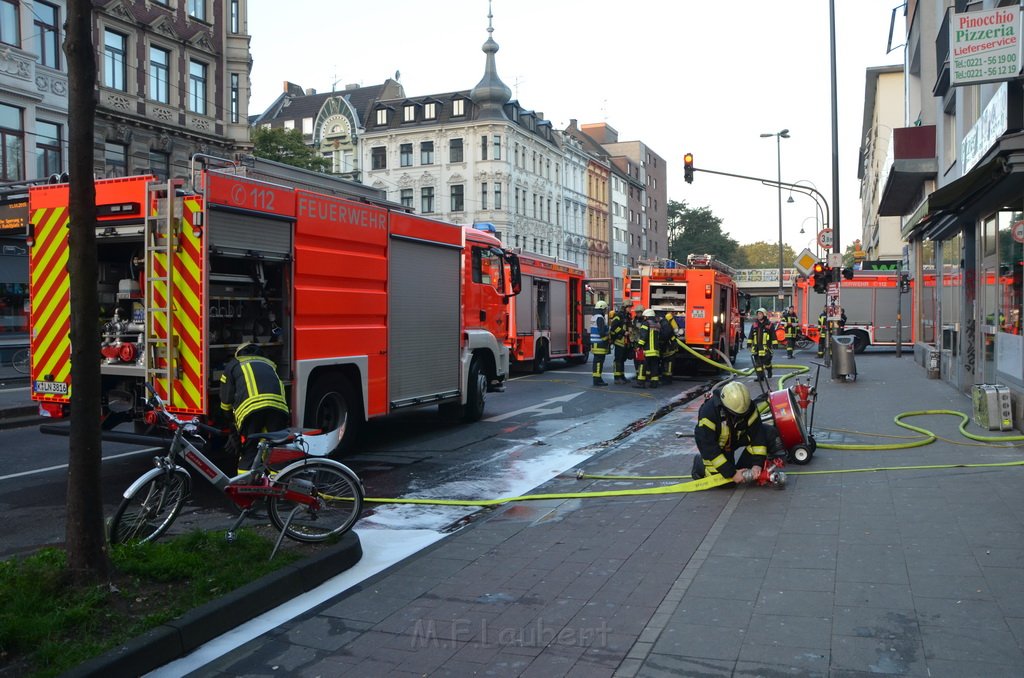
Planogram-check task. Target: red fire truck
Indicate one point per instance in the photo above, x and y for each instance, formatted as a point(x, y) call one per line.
point(359, 303)
point(545, 321)
point(871, 303)
point(702, 294)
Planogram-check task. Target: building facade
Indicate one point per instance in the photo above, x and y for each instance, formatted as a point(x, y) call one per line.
point(956, 181)
point(883, 112)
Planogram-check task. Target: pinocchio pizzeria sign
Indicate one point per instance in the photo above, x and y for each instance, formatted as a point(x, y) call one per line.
point(984, 46)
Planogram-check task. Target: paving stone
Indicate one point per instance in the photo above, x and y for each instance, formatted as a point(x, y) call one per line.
point(670, 666)
point(800, 578)
point(694, 609)
point(875, 622)
point(788, 631)
point(941, 586)
point(866, 594)
point(770, 661)
point(994, 646)
point(700, 641)
point(946, 668)
point(954, 565)
point(984, 614)
point(872, 655)
point(794, 603)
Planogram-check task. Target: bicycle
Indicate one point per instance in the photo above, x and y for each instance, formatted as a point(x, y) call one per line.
point(21, 361)
point(310, 500)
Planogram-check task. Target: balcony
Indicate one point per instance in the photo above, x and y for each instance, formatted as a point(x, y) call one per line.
point(941, 87)
point(913, 162)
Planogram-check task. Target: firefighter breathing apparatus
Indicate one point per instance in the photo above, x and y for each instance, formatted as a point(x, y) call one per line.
point(717, 480)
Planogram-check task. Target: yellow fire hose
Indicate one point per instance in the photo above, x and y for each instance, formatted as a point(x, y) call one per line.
point(718, 480)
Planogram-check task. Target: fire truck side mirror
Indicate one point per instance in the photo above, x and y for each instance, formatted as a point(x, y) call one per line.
point(515, 273)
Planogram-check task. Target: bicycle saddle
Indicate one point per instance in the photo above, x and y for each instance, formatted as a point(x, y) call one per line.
point(275, 437)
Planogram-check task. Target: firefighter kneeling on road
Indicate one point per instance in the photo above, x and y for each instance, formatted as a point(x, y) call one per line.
point(726, 422)
point(251, 390)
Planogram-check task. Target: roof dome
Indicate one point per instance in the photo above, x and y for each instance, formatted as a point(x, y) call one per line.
point(490, 94)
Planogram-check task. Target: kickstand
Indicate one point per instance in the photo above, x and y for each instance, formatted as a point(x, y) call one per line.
point(284, 528)
point(231, 530)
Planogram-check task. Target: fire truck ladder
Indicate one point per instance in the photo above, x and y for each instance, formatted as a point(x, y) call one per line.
point(163, 228)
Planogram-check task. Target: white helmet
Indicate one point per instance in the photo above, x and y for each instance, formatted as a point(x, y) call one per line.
point(601, 305)
point(649, 313)
point(761, 310)
point(736, 397)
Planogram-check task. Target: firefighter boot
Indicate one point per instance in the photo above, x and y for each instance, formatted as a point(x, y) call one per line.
point(599, 381)
point(655, 382)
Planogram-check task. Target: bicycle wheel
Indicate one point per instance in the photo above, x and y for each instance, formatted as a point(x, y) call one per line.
point(147, 512)
point(20, 362)
point(803, 343)
point(340, 496)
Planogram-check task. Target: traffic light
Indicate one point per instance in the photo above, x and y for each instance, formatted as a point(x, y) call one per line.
point(688, 168)
point(904, 283)
point(848, 273)
point(820, 275)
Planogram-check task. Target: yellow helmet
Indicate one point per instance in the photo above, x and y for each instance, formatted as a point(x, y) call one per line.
point(736, 397)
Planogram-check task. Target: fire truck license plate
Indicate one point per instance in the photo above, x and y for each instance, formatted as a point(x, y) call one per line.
point(58, 387)
point(698, 313)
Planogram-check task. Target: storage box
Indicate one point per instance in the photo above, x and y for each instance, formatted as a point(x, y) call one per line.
point(992, 407)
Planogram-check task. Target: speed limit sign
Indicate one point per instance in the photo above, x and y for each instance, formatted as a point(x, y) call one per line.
point(825, 238)
point(1018, 231)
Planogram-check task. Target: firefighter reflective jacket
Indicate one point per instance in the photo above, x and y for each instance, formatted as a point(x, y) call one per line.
point(598, 335)
point(250, 383)
point(617, 329)
point(649, 338)
point(719, 434)
point(791, 323)
point(762, 338)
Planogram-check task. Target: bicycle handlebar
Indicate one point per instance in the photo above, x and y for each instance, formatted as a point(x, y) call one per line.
point(161, 408)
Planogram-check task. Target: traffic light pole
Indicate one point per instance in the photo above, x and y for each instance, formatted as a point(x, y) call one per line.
point(799, 188)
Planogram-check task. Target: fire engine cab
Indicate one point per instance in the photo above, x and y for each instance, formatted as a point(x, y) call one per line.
point(362, 306)
point(701, 294)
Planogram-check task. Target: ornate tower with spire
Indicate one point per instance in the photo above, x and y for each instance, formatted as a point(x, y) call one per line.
point(490, 94)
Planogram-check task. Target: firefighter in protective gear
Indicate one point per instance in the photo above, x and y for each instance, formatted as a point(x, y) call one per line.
point(254, 395)
point(599, 341)
point(675, 343)
point(636, 328)
point(669, 347)
point(761, 341)
point(648, 343)
point(727, 421)
point(829, 328)
point(618, 333)
point(791, 324)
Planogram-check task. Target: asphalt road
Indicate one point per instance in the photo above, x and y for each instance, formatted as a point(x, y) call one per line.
point(538, 426)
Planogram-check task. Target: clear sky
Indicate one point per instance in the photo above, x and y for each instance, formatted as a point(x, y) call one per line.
point(679, 75)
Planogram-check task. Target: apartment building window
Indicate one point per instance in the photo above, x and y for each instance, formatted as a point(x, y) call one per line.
point(483, 147)
point(378, 158)
point(307, 126)
point(409, 113)
point(535, 162)
point(497, 148)
point(47, 24)
point(534, 205)
point(197, 87)
point(430, 111)
point(115, 159)
point(458, 198)
point(405, 155)
point(517, 201)
point(406, 197)
point(49, 153)
point(455, 150)
point(197, 9)
point(289, 124)
point(497, 196)
point(160, 165)
point(426, 152)
point(115, 47)
point(159, 75)
point(9, 23)
point(458, 107)
point(549, 210)
point(382, 116)
point(234, 17)
point(483, 195)
point(12, 144)
point(235, 87)
point(427, 200)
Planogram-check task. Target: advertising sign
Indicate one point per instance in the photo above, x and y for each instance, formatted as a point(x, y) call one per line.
point(14, 217)
point(833, 309)
point(984, 46)
point(991, 125)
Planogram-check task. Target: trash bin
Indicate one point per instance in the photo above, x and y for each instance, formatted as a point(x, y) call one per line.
point(843, 365)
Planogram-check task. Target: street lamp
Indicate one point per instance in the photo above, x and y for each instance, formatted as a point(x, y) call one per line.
point(779, 136)
point(814, 196)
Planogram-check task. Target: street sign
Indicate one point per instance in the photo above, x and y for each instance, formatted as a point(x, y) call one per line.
point(805, 261)
point(835, 260)
point(1018, 231)
point(825, 238)
point(833, 309)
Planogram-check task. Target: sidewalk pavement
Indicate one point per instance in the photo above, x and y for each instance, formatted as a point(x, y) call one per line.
point(903, 572)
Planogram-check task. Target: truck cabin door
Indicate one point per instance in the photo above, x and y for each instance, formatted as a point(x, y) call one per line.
point(485, 298)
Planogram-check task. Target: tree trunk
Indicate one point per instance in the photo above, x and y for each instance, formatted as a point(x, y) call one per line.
point(86, 541)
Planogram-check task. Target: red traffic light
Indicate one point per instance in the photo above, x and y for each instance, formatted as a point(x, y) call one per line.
point(688, 159)
point(818, 267)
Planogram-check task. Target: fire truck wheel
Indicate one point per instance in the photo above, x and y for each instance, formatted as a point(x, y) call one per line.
point(540, 361)
point(331, 402)
point(860, 340)
point(477, 395)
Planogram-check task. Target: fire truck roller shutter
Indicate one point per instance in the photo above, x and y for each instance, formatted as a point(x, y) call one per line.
point(236, 233)
point(526, 308)
point(424, 322)
point(558, 303)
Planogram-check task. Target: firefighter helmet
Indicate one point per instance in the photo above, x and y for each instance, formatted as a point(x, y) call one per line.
point(736, 397)
point(601, 305)
point(761, 310)
point(247, 348)
point(649, 313)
